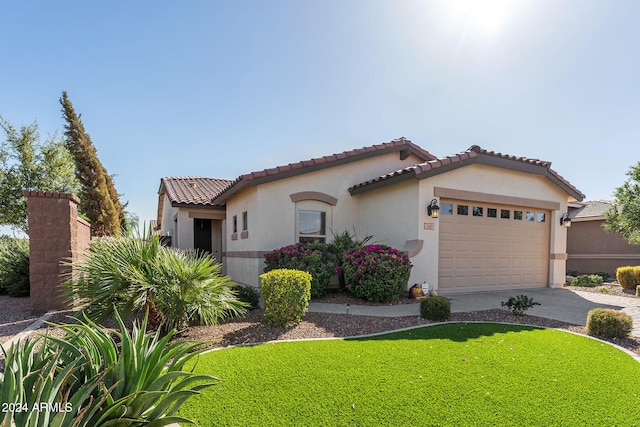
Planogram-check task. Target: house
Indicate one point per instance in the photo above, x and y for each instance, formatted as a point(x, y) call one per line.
point(498, 225)
point(590, 248)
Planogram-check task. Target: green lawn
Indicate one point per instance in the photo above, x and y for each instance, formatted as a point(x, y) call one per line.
point(460, 374)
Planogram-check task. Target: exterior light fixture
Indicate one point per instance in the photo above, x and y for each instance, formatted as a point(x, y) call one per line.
point(433, 209)
point(565, 221)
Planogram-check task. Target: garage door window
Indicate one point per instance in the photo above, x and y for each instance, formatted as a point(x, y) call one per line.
point(446, 209)
point(478, 211)
point(530, 216)
point(463, 210)
point(505, 213)
point(517, 215)
point(541, 217)
point(492, 213)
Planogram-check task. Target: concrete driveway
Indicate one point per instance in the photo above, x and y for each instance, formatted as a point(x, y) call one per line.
point(559, 304)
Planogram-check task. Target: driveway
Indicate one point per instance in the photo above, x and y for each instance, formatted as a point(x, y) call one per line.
point(559, 304)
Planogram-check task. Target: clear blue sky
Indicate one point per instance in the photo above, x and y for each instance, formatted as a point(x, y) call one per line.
point(217, 89)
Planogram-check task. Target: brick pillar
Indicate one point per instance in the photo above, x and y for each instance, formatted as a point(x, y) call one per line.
point(55, 235)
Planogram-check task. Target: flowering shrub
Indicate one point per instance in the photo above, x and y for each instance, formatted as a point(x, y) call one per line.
point(376, 272)
point(314, 258)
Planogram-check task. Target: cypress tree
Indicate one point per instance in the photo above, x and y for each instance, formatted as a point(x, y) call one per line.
point(97, 201)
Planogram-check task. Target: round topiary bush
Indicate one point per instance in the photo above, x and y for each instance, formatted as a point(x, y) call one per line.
point(376, 272)
point(437, 309)
point(314, 258)
point(609, 323)
point(286, 295)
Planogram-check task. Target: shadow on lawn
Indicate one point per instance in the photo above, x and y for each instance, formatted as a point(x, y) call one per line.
point(455, 331)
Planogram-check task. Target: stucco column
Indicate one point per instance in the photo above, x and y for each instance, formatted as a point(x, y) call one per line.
point(55, 235)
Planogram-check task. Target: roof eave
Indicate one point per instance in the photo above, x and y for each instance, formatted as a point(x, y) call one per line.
point(504, 163)
point(394, 179)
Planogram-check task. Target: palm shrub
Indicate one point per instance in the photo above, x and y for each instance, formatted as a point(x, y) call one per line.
point(129, 275)
point(314, 258)
point(91, 378)
point(376, 272)
point(14, 267)
point(609, 323)
point(286, 295)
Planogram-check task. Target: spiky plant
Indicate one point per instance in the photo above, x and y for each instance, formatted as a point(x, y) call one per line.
point(90, 378)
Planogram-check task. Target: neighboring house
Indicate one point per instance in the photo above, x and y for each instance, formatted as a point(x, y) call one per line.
point(590, 247)
point(498, 225)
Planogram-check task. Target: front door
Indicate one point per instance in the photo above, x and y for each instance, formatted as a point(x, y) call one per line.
point(202, 235)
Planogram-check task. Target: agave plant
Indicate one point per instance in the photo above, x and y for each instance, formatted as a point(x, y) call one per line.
point(135, 274)
point(90, 378)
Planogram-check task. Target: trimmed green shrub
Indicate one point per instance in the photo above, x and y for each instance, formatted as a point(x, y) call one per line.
point(590, 281)
point(602, 274)
point(96, 379)
point(376, 273)
point(628, 277)
point(638, 291)
point(314, 258)
point(14, 267)
point(609, 323)
point(248, 295)
point(519, 304)
point(286, 295)
point(437, 309)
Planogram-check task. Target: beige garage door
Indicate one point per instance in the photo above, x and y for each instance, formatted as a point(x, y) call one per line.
point(490, 247)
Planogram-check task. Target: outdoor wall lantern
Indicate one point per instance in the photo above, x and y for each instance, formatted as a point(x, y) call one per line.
point(433, 209)
point(565, 221)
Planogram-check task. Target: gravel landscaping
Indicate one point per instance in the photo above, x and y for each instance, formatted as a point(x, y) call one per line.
point(15, 315)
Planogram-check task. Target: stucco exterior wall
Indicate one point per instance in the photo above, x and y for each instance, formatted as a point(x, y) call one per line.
point(167, 226)
point(591, 249)
point(272, 213)
point(496, 181)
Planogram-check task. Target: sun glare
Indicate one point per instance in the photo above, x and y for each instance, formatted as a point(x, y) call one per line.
point(482, 17)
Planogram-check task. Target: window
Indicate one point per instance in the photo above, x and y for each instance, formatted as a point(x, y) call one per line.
point(235, 223)
point(517, 215)
point(541, 217)
point(312, 226)
point(478, 211)
point(245, 226)
point(463, 210)
point(505, 213)
point(446, 209)
point(492, 213)
point(530, 216)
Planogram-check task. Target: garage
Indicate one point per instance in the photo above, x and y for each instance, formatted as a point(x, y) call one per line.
point(487, 246)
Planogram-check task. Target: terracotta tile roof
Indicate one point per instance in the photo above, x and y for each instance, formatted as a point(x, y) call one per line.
point(397, 145)
point(192, 190)
point(473, 154)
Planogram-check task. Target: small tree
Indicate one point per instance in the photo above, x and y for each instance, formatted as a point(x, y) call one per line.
point(624, 215)
point(26, 163)
point(98, 198)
